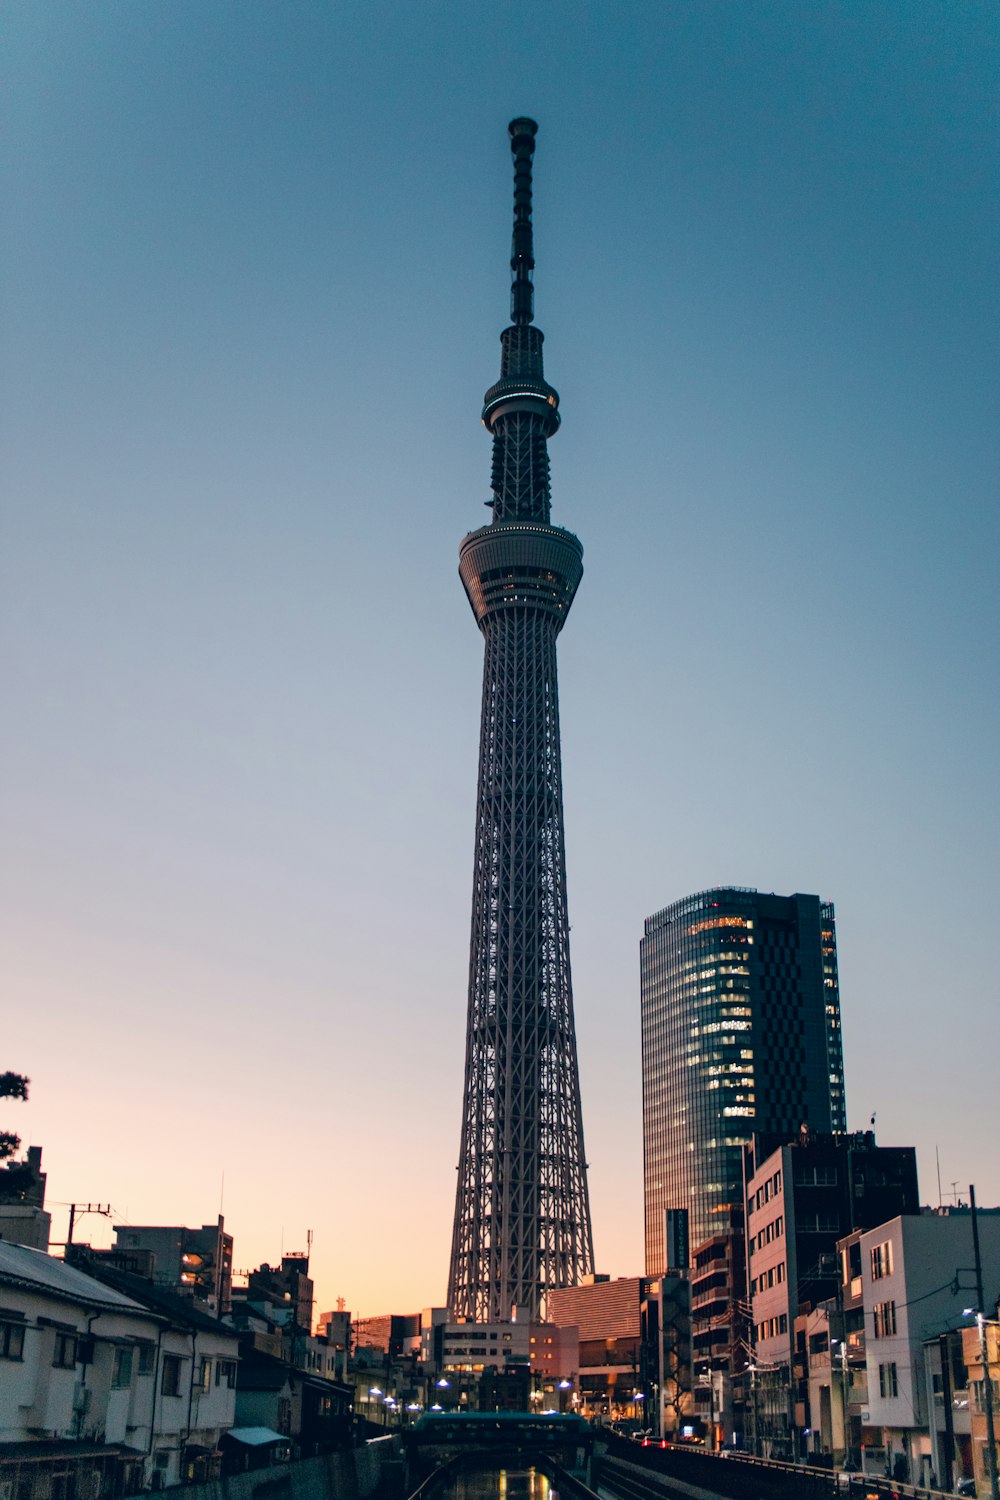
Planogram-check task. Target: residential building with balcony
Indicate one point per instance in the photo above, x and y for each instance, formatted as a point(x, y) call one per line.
point(720, 1347)
point(103, 1390)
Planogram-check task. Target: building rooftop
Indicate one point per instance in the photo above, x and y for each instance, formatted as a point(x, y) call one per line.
point(36, 1271)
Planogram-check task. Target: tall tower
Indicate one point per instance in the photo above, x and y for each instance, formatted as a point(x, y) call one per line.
point(740, 1033)
point(522, 1214)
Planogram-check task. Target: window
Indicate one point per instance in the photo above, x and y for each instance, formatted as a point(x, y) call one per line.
point(977, 1390)
point(64, 1353)
point(147, 1358)
point(121, 1369)
point(170, 1381)
point(884, 1314)
point(225, 1372)
point(887, 1382)
point(11, 1341)
point(203, 1378)
point(881, 1260)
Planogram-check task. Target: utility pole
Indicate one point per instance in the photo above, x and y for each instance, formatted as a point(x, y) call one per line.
point(948, 1477)
point(77, 1210)
point(991, 1438)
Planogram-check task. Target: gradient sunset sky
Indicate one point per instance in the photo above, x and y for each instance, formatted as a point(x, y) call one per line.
point(254, 271)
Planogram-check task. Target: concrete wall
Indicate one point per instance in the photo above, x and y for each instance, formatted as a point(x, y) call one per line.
point(335, 1476)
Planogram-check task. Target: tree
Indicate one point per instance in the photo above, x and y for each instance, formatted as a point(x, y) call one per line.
point(17, 1178)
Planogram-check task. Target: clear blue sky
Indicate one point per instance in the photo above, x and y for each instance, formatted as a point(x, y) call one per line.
point(254, 270)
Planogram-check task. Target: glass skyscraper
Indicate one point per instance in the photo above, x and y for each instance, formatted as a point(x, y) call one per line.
point(740, 1033)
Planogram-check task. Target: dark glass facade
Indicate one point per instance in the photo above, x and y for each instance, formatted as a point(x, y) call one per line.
point(740, 1033)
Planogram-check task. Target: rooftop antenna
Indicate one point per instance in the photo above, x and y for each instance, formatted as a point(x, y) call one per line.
point(522, 251)
point(937, 1158)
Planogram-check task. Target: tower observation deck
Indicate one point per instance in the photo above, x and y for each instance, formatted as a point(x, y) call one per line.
point(522, 1213)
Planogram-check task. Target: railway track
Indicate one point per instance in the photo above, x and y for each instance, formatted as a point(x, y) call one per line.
point(619, 1480)
point(655, 1475)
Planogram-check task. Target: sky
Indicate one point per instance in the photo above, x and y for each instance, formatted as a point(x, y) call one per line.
point(254, 272)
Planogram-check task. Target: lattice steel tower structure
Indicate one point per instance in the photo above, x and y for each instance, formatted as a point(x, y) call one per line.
point(522, 1214)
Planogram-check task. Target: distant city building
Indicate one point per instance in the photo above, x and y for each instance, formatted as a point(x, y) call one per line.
point(473, 1347)
point(195, 1262)
point(288, 1285)
point(801, 1199)
point(335, 1328)
point(394, 1334)
point(633, 1336)
point(740, 1032)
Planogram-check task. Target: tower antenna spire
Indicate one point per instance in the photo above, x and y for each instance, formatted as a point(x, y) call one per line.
point(522, 253)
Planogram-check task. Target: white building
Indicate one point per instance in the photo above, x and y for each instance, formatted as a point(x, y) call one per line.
point(103, 1384)
point(917, 1276)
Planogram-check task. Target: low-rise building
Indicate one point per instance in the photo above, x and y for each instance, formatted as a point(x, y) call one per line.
point(193, 1262)
point(719, 1329)
point(131, 1392)
point(916, 1275)
point(312, 1412)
